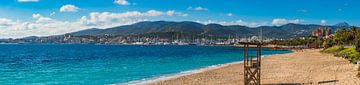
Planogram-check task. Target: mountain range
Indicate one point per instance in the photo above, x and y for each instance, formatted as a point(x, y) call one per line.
point(284, 31)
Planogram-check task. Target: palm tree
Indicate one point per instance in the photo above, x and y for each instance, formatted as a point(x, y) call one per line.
point(353, 34)
point(356, 37)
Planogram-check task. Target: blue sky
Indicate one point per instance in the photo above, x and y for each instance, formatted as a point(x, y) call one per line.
point(21, 18)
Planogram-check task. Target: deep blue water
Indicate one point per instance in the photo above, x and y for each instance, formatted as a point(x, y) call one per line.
point(106, 64)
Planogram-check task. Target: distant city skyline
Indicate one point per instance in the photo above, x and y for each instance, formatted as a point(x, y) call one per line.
point(21, 18)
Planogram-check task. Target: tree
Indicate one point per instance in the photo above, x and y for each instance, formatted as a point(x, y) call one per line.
point(357, 45)
point(327, 43)
point(342, 36)
point(356, 35)
point(353, 34)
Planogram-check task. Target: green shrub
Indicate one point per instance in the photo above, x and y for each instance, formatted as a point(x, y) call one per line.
point(351, 54)
point(325, 44)
point(334, 49)
point(357, 45)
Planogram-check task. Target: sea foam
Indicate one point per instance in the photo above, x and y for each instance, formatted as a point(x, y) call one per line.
point(180, 74)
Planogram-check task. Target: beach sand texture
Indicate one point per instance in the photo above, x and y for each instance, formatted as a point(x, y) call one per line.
point(307, 67)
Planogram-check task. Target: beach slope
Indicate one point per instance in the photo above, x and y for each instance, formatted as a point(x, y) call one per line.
point(303, 67)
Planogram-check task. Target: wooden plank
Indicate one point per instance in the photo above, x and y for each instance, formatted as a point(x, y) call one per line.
point(252, 66)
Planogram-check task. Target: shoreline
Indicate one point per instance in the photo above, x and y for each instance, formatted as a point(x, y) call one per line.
point(165, 77)
point(309, 66)
point(251, 46)
point(178, 74)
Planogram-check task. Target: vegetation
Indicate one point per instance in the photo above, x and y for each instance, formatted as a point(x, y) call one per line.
point(348, 53)
point(350, 37)
point(344, 43)
point(351, 54)
point(280, 32)
point(327, 43)
point(345, 37)
point(357, 45)
point(295, 41)
point(334, 49)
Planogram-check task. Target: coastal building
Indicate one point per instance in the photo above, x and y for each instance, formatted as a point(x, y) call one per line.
point(67, 37)
point(322, 32)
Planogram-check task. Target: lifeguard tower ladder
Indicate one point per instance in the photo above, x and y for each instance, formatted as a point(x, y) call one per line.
point(252, 64)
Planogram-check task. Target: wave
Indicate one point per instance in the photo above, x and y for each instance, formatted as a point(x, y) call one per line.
point(182, 73)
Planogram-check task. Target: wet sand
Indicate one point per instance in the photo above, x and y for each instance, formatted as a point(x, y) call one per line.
point(303, 67)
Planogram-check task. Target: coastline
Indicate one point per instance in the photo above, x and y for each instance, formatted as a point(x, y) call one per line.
point(165, 77)
point(299, 67)
point(179, 74)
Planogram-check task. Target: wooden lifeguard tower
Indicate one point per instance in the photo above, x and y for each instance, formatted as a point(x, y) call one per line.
point(252, 63)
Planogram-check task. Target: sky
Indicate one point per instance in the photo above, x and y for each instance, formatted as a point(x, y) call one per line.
point(21, 18)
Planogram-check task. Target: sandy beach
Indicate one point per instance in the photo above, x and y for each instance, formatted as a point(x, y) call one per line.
point(303, 67)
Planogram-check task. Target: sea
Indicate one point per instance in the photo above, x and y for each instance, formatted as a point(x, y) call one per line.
point(86, 64)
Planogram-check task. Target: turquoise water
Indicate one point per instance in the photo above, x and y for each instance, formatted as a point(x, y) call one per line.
point(106, 64)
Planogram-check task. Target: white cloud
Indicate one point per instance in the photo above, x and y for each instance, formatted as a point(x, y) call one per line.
point(41, 19)
point(238, 22)
point(154, 13)
point(197, 8)
point(323, 22)
point(5, 22)
point(285, 21)
point(69, 8)
point(36, 15)
point(113, 19)
point(45, 26)
point(172, 12)
point(52, 13)
point(200, 8)
point(28, 0)
point(229, 14)
point(121, 2)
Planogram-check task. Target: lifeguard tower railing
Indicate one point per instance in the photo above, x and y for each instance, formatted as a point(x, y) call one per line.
point(252, 63)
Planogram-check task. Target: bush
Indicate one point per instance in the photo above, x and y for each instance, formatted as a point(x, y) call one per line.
point(357, 45)
point(334, 49)
point(326, 44)
point(351, 54)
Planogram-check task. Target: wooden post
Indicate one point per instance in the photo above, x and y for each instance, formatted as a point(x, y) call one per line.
point(252, 64)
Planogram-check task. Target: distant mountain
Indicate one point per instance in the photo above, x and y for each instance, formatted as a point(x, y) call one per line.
point(343, 24)
point(188, 27)
point(31, 38)
point(91, 31)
